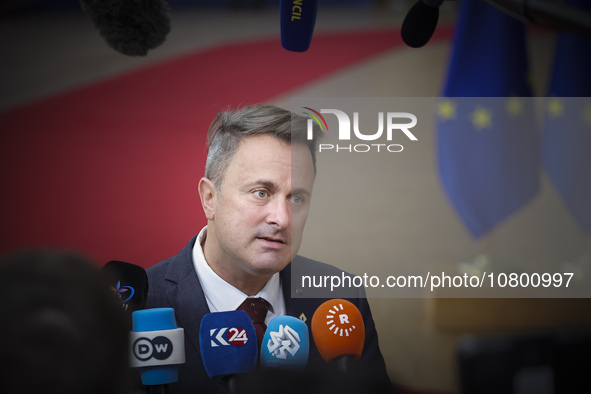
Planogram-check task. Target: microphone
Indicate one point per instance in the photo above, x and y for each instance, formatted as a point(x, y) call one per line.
point(129, 27)
point(128, 282)
point(420, 23)
point(286, 344)
point(229, 346)
point(157, 347)
point(339, 333)
point(297, 23)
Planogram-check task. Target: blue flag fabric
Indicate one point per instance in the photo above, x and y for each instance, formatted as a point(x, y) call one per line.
point(566, 151)
point(488, 146)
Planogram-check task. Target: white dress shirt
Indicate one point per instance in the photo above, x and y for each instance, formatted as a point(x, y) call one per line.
point(222, 296)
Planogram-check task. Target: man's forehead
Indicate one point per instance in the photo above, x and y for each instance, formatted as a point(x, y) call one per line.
point(253, 150)
point(264, 138)
point(259, 159)
point(270, 146)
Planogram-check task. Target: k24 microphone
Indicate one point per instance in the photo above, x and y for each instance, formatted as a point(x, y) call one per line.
point(157, 346)
point(286, 344)
point(339, 332)
point(298, 18)
point(229, 345)
point(128, 282)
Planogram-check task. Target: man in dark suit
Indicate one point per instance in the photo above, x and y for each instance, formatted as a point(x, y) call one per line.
point(256, 195)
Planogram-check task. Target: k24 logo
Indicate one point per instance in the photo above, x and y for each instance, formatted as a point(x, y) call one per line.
point(228, 336)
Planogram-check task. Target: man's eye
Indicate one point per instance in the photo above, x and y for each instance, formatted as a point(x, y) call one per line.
point(261, 193)
point(297, 200)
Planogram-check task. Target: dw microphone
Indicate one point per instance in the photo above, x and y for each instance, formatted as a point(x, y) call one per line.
point(157, 347)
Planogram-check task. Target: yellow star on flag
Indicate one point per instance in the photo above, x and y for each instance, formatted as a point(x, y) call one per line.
point(555, 108)
point(447, 110)
point(481, 118)
point(514, 106)
point(587, 115)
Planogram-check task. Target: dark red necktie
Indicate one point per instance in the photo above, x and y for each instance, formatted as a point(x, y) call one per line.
point(257, 310)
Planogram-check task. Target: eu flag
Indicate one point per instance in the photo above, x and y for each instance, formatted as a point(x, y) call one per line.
point(567, 128)
point(487, 143)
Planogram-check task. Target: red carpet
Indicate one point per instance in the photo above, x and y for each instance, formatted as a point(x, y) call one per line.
point(111, 169)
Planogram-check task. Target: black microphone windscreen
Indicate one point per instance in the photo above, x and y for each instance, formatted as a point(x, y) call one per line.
point(129, 283)
point(131, 27)
point(419, 24)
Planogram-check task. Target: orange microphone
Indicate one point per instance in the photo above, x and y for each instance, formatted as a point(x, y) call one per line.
point(339, 332)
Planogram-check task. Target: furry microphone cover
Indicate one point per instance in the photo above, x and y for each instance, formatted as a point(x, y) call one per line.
point(131, 27)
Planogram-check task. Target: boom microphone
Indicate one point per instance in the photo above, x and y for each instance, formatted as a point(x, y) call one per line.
point(339, 332)
point(157, 347)
point(229, 346)
point(297, 24)
point(131, 27)
point(286, 344)
point(128, 282)
point(420, 23)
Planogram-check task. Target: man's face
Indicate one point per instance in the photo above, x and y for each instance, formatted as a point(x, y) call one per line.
point(260, 212)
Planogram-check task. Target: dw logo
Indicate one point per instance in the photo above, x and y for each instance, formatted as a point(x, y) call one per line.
point(159, 348)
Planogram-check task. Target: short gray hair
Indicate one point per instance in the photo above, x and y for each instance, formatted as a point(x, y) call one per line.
point(231, 126)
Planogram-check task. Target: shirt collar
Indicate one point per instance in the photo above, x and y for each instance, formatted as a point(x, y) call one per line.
point(222, 296)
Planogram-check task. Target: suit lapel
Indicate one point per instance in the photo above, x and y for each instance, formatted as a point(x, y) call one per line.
point(185, 293)
point(301, 308)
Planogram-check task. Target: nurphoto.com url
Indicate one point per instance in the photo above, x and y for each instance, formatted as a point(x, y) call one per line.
point(441, 280)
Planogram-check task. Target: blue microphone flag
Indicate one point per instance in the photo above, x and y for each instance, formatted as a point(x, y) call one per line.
point(286, 344)
point(228, 343)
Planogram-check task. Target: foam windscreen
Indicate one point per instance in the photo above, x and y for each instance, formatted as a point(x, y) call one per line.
point(338, 330)
point(286, 344)
point(228, 343)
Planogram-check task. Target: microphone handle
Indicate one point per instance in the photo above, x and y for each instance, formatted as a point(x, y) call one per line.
point(158, 389)
point(233, 384)
point(345, 363)
point(229, 383)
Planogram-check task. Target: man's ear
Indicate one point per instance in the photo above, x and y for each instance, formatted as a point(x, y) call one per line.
point(207, 194)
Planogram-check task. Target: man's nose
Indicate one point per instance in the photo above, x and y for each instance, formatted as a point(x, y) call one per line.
point(279, 213)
